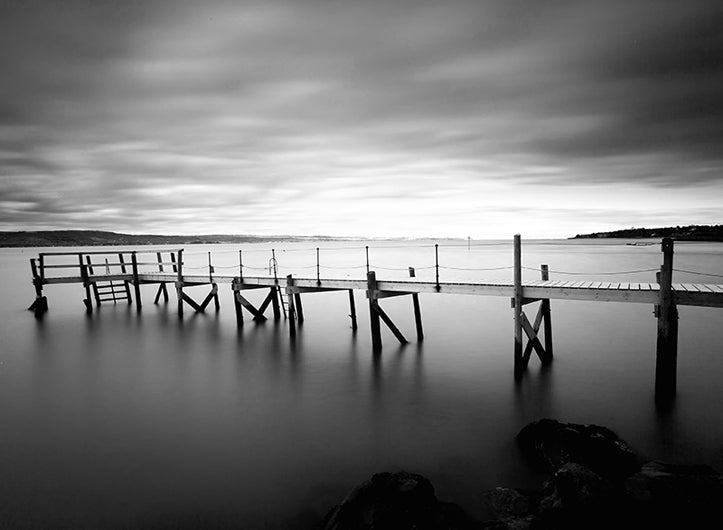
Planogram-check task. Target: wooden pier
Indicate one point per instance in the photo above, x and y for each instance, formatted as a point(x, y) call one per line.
point(111, 280)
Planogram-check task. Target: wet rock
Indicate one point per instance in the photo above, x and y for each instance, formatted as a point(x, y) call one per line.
point(504, 503)
point(549, 444)
point(396, 501)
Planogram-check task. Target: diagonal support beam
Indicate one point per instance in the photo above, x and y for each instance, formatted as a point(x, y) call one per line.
point(532, 337)
point(388, 321)
point(258, 316)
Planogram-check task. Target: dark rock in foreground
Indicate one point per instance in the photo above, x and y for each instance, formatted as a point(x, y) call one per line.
point(596, 482)
point(549, 444)
point(396, 501)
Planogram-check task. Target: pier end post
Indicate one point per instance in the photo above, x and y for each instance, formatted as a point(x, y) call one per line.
point(519, 364)
point(179, 283)
point(547, 322)
point(666, 354)
point(136, 281)
point(352, 311)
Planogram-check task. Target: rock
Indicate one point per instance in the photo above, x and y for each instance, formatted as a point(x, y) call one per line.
point(549, 444)
point(504, 503)
point(396, 501)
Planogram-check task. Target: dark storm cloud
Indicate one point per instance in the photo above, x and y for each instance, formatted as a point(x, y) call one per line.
point(109, 107)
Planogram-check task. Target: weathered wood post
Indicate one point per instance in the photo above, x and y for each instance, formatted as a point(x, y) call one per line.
point(86, 283)
point(545, 275)
point(96, 293)
point(373, 314)
point(136, 281)
point(519, 364)
point(235, 287)
point(352, 310)
point(274, 294)
point(292, 310)
point(179, 283)
point(667, 343)
point(40, 304)
point(418, 316)
point(298, 308)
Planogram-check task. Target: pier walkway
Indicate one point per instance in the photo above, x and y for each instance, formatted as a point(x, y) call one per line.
point(113, 281)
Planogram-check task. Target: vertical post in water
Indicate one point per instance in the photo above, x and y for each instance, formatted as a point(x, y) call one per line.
point(86, 284)
point(136, 281)
point(436, 266)
point(667, 343)
point(417, 316)
point(373, 314)
point(273, 264)
point(236, 284)
point(545, 275)
point(519, 366)
point(179, 282)
point(318, 279)
point(352, 310)
point(240, 266)
point(292, 309)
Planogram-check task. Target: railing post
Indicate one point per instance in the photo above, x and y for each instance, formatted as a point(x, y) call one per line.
point(318, 279)
point(179, 283)
point(373, 314)
point(667, 342)
point(436, 266)
point(519, 366)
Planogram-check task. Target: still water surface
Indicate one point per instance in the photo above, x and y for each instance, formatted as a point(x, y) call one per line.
point(126, 421)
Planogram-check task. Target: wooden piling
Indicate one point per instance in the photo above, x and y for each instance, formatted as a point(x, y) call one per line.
point(235, 286)
point(274, 294)
point(519, 364)
point(179, 283)
point(86, 283)
point(352, 310)
point(373, 314)
point(418, 317)
point(136, 282)
point(547, 322)
point(40, 304)
point(299, 308)
point(667, 340)
point(292, 309)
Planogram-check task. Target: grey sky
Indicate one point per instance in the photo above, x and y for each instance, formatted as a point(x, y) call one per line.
point(373, 118)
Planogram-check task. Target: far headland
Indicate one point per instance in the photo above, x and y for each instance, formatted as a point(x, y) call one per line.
point(680, 233)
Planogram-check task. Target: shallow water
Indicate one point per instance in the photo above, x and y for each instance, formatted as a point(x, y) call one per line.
point(120, 420)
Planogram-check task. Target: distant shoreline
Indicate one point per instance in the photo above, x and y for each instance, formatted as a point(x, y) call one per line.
point(711, 233)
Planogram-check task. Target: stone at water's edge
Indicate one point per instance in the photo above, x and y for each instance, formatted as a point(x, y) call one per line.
point(396, 501)
point(549, 444)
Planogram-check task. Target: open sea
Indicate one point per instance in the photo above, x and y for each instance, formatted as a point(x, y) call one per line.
point(119, 420)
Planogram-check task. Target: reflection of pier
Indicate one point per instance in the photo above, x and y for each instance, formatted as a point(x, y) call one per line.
point(108, 281)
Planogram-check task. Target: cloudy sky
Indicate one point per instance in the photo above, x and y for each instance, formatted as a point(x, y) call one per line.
point(367, 118)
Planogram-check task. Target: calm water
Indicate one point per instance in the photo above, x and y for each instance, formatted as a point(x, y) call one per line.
point(125, 421)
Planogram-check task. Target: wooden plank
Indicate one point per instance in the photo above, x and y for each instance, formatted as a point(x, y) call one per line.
point(714, 287)
point(691, 287)
point(679, 287)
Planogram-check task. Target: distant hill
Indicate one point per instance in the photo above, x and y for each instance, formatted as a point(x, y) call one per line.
point(681, 233)
point(84, 238)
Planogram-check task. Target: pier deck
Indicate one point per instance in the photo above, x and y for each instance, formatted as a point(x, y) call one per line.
point(112, 281)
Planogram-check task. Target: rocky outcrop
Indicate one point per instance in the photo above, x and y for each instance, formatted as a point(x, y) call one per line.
point(596, 482)
point(549, 444)
point(396, 501)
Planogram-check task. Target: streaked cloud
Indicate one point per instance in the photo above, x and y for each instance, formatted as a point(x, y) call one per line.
point(360, 118)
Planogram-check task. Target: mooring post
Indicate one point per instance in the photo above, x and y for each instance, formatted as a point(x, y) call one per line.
point(136, 281)
point(667, 343)
point(545, 275)
point(179, 283)
point(519, 365)
point(373, 314)
point(292, 310)
point(352, 310)
point(86, 283)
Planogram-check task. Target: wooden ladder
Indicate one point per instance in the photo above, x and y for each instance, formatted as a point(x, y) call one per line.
point(110, 291)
